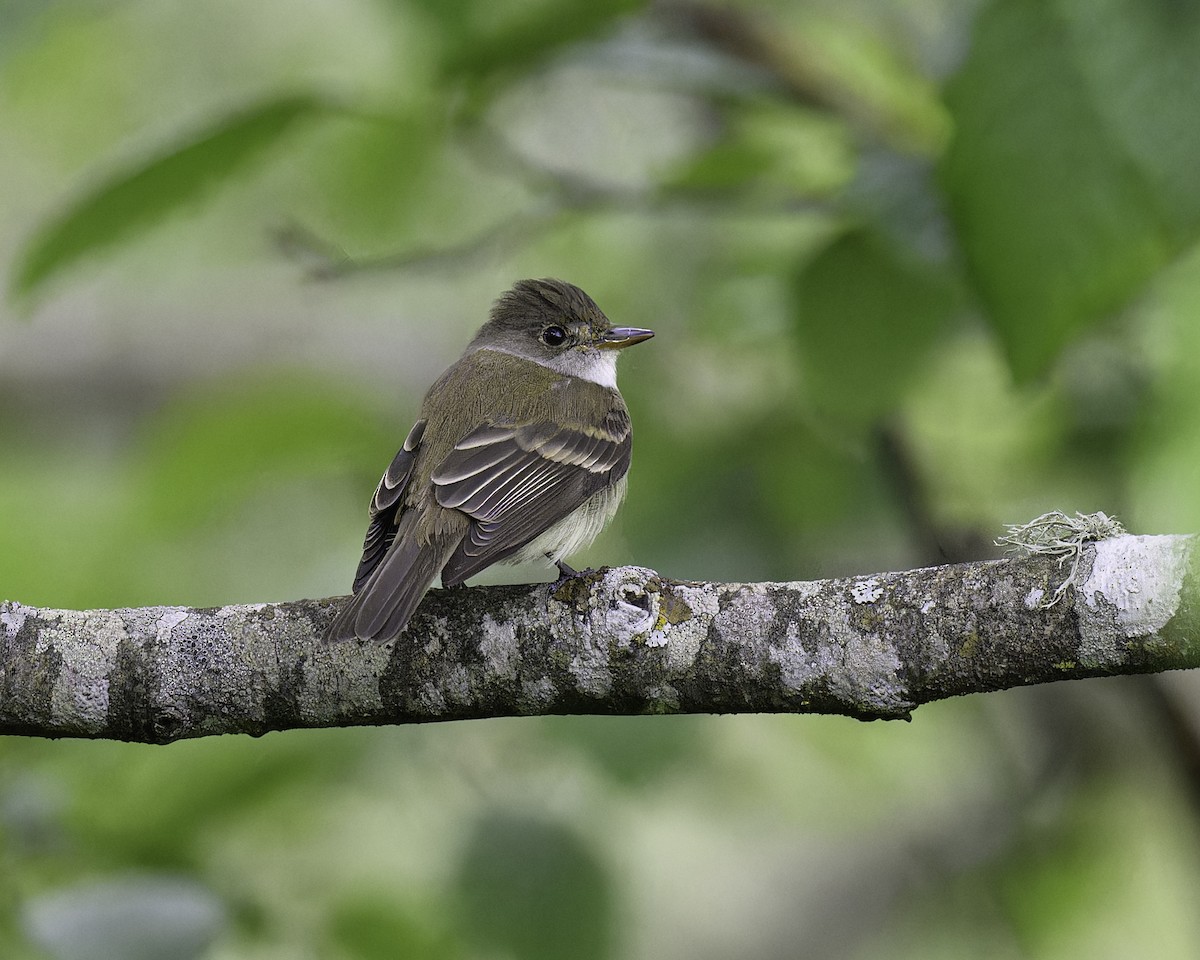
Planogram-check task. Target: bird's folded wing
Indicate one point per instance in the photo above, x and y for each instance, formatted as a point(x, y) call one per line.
point(385, 506)
point(517, 480)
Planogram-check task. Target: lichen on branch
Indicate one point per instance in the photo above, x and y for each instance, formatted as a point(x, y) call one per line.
point(613, 641)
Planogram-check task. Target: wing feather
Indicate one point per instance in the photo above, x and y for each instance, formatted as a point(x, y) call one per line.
point(517, 481)
point(384, 513)
point(472, 461)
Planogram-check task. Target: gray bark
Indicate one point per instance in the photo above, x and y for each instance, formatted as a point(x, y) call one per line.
point(620, 641)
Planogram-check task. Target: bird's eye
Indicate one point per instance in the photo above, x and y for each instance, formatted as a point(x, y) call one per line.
point(554, 336)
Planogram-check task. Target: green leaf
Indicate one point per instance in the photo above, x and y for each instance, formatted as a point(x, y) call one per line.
point(523, 36)
point(1140, 57)
point(1058, 223)
point(628, 750)
point(163, 807)
point(533, 889)
point(133, 201)
point(771, 149)
point(371, 173)
point(867, 315)
point(374, 927)
point(213, 445)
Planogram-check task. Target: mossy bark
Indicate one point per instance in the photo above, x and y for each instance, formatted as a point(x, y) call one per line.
point(621, 641)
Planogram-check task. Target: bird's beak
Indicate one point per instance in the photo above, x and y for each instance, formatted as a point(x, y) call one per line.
point(620, 337)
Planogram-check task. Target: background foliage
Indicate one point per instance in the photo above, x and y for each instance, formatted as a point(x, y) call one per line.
point(918, 268)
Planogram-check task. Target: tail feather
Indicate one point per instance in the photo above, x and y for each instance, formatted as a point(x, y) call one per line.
point(381, 609)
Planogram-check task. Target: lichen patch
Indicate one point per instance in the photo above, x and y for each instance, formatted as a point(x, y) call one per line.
point(866, 590)
point(1139, 579)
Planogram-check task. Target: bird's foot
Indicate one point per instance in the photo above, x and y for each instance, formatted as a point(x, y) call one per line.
point(565, 573)
point(564, 569)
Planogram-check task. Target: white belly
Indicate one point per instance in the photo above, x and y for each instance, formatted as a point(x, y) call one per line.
point(576, 531)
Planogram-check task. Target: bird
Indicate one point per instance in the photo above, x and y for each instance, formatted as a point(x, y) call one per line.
point(520, 452)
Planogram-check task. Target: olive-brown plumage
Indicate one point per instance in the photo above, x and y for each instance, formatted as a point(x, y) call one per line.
point(520, 451)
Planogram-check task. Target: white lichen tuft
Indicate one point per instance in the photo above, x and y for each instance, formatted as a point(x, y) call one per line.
point(1055, 534)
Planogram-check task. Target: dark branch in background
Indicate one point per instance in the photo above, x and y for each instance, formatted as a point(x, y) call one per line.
point(744, 41)
point(940, 542)
point(935, 540)
point(622, 641)
point(325, 261)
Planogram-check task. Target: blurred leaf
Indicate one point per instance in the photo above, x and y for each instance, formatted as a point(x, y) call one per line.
point(867, 316)
point(44, 557)
point(732, 162)
point(499, 38)
point(772, 147)
point(988, 450)
point(213, 446)
point(802, 480)
point(377, 929)
point(848, 65)
point(163, 807)
point(1164, 479)
point(452, 16)
point(1155, 115)
point(1057, 222)
point(632, 751)
point(1075, 886)
point(133, 201)
point(754, 490)
point(533, 889)
point(371, 171)
point(69, 79)
point(14, 16)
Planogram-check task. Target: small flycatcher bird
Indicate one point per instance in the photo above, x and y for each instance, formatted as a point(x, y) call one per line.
point(520, 453)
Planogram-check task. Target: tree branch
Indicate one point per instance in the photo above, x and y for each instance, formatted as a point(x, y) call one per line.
point(618, 641)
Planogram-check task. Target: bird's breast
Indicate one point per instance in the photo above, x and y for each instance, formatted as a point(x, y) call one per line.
point(576, 530)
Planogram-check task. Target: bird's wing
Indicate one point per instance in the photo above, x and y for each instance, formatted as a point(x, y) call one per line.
point(385, 506)
point(517, 480)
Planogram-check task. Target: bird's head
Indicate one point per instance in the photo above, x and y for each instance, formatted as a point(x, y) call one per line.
point(559, 326)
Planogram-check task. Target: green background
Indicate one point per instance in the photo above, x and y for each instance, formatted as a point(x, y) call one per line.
point(918, 269)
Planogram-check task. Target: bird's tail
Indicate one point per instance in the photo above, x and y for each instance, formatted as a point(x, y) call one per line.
point(381, 609)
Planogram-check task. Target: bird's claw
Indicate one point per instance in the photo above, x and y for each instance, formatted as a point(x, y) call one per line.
point(565, 573)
